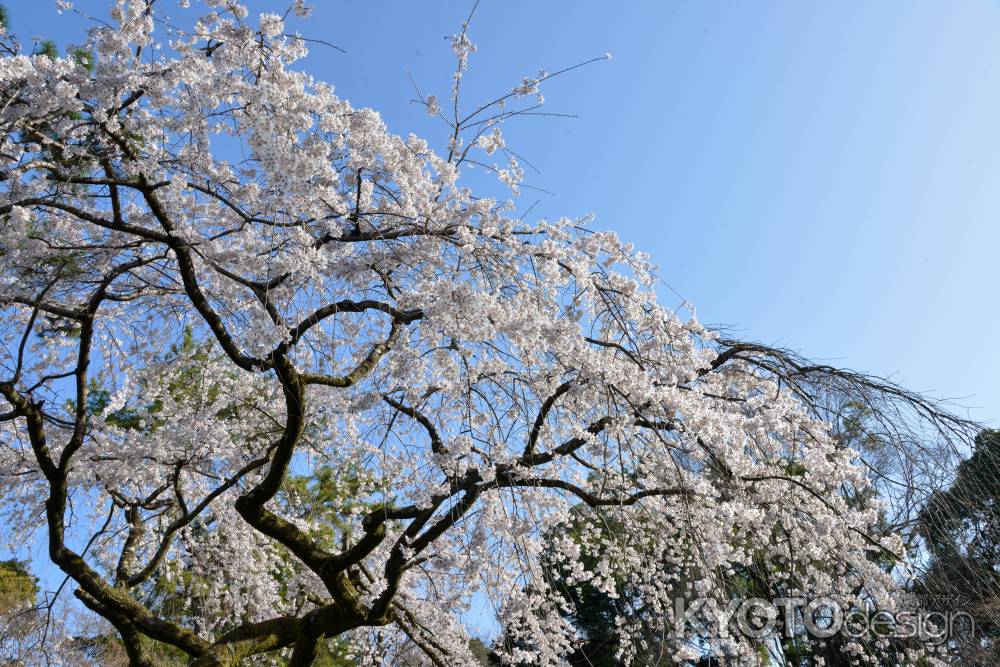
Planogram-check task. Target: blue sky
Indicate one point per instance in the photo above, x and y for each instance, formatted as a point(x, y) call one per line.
point(822, 175)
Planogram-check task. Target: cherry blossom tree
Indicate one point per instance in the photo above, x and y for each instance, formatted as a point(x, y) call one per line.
point(275, 376)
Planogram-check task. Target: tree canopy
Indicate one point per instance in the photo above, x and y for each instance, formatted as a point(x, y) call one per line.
point(279, 383)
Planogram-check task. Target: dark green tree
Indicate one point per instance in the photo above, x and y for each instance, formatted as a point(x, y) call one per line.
point(961, 530)
point(20, 621)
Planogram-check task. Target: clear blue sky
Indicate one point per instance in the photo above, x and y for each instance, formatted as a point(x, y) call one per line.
point(825, 175)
